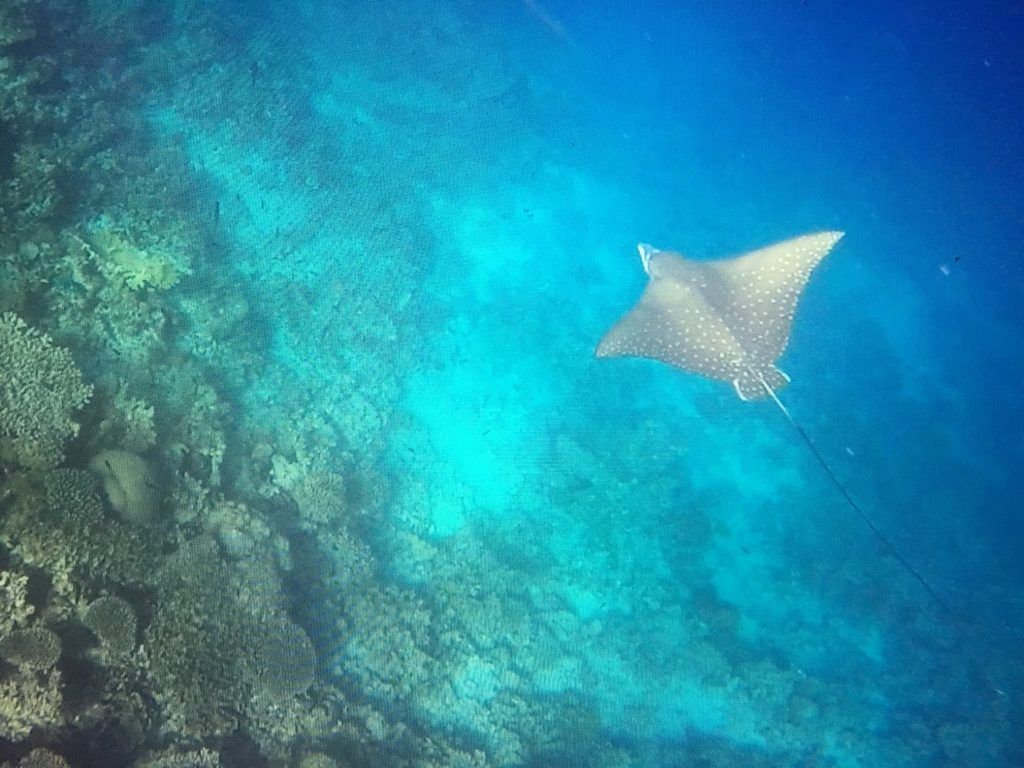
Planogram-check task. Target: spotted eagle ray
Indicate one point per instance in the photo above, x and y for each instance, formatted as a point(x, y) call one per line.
point(730, 320)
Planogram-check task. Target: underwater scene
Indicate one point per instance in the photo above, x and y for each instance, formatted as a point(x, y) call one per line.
point(453, 383)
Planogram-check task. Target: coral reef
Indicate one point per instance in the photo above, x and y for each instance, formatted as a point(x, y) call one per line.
point(217, 540)
point(40, 390)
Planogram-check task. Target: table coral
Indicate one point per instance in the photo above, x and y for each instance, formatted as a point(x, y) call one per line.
point(39, 391)
point(284, 662)
point(35, 648)
point(113, 621)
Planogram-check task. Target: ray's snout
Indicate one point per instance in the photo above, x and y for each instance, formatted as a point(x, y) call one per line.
point(646, 251)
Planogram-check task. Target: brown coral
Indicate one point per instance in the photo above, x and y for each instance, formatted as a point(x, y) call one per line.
point(39, 390)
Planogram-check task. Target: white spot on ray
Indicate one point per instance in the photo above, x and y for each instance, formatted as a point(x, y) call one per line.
point(727, 319)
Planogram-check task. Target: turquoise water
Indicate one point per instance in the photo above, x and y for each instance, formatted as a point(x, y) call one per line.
point(399, 232)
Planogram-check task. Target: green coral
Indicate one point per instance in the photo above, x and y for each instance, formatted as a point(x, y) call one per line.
point(39, 391)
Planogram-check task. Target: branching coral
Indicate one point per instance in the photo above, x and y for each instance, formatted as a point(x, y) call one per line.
point(29, 700)
point(129, 423)
point(40, 389)
point(14, 605)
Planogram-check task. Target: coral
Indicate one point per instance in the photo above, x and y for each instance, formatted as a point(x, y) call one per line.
point(59, 525)
point(196, 642)
point(321, 499)
point(113, 621)
point(284, 662)
point(39, 390)
point(387, 632)
point(15, 26)
point(199, 758)
point(35, 648)
point(316, 760)
point(129, 423)
point(132, 486)
point(42, 758)
point(240, 533)
point(198, 436)
point(216, 655)
point(125, 263)
point(29, 700)
point(14, 606)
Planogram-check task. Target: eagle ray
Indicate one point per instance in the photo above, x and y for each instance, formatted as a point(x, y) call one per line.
point(730, 320)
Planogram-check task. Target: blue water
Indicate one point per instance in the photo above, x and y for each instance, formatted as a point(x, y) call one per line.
point(427, 218)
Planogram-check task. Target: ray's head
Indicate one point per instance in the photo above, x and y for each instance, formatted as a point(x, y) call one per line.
point(652, 258)
point(658, 263)
point(646, 251)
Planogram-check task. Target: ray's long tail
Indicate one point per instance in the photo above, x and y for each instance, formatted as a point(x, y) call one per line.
point(889, 546)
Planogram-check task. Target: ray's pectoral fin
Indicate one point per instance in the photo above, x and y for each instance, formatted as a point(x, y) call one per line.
point(751, 381)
